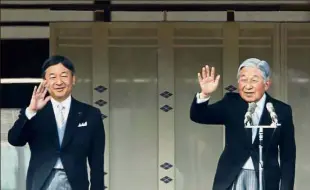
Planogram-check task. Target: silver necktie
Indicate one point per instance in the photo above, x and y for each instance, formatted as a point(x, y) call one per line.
point(61, 127)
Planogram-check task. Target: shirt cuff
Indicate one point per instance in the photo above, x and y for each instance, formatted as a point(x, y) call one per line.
point(30, 114)
point(201, 100)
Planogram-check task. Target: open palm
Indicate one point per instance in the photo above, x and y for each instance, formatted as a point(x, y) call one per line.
point(207, 80)
point(38, 99)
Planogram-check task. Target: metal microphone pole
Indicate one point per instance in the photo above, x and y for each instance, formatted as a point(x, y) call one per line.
point(261, 164)
point(261, 168)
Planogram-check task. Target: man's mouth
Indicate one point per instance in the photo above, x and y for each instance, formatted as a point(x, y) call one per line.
point(59, 89)
point(249, 93)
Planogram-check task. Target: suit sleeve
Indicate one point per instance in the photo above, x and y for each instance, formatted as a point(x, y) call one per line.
point(96, 155)
point(287, 153)
point(20, 132)
point(205, 113)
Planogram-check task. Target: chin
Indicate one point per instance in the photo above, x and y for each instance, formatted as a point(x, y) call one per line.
point(248, 99)
point(59, 95)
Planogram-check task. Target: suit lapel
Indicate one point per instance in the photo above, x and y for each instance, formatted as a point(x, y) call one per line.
point(247, 131)
point(74, 117)
point(51, 126)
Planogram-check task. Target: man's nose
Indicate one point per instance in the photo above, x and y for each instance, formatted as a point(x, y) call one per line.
point(58, 81)
point(248, 86)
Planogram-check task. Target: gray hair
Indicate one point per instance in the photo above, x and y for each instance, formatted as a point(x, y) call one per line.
point(262, 65)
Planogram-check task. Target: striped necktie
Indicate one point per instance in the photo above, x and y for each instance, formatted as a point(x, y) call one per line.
point(255, 120)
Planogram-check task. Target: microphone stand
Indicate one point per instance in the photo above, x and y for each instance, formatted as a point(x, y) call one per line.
point(261, 136)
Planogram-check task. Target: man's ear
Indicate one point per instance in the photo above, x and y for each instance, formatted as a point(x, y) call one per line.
point(73, 79)
point(267, 84)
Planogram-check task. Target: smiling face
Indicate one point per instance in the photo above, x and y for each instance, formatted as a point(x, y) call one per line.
point(59, 81)
point(251, 84)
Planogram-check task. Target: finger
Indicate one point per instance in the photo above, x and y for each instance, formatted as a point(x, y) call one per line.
point(203, 72)
point(199, 77)
point(207, 71)
point(217, 79)
point(212, 73)
point(44, 92)
point(39, 88)
point(34, 91)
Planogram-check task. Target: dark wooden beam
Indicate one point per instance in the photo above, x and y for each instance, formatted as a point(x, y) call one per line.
point(24, 23)
point(102, 15)
point(163, 7)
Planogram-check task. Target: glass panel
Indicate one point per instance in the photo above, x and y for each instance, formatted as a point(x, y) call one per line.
point(198, 147)
point(14, 160)
point(133, 118)
point(298, 59)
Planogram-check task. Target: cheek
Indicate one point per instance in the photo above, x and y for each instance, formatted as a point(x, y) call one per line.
point(240, 87)
point(260, 89)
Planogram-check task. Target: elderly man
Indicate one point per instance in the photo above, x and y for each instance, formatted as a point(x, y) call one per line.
point(238, 165)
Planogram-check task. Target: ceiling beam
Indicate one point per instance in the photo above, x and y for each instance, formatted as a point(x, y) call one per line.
point(162, 7)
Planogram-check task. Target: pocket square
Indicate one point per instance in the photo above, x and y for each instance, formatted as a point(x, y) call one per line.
point(82, 124)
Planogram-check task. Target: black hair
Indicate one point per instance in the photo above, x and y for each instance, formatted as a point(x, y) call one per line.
point(57, 59)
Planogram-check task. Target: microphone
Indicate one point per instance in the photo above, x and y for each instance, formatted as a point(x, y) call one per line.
point(272, 112)
point(248, 114)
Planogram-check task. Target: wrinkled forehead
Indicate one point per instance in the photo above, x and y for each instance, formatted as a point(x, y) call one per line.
point(250, 72)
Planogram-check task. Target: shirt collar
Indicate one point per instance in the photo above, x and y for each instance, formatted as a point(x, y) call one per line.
point(65, 103)
point(260, 104)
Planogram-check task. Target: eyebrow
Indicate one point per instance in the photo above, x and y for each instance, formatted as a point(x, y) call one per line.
point(255, 77)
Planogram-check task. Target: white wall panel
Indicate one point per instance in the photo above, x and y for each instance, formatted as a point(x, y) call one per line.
point(197, 147)
point(137, 16)
point(134, 111)
point(275, 16)
point(196, 16)
point(24, 32)
point(21, 2)
point(14, 160)
point(29, 15)
point(296, 48)
point(166, 111)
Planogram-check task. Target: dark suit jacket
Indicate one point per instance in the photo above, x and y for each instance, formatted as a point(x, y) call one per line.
point(79, 144)
point(230, 112)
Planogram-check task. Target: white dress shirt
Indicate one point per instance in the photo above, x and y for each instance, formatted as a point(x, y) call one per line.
point(66, 107)
point(256, 118)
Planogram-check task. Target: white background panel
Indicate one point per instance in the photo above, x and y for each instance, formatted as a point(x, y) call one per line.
point(47, 2)
point(24, 32)
point(197, 146)
point(28, 15)
point(298, 95)
point(133, 118)
point(14, 160)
